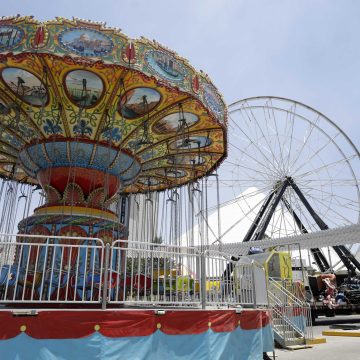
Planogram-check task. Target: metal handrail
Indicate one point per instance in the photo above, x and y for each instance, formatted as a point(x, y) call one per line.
point(281, 308)
point(273, 282)
point(286, 317)
point(122, 273)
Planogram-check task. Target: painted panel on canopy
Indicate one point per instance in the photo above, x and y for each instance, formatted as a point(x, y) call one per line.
point(84, 88)
point(86, 42)
point(175, 122)
point(25, 85)
point(165, 65)
point(192, 109)
point(34, 117)
point(138, 102)
point(168, 98)
point(213, 100)
point(10, 37)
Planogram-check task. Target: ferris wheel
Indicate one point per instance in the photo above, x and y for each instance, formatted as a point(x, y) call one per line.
point(291, 170)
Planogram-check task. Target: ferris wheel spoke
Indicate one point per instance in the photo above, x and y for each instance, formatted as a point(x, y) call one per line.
point(255, 192)
point(251, 211)
point(335, 182)
point(315, 153)
point(267, 160)
point(233, 183)
point(350, 202)
point(247, 157)
point(240, 180)
point(240, 164)
point(245, 171)
point(241, 197)
point(252, 158)
point(279, 221)
point(329, 202)
point(312, 126)
point(265, 138)
point(330, 209)
point(273, 226)
point(292, 224)
point(276, 159)
point(270, 111)
point(321, 168)
point(285, 221)
point(291, 114)
point(281, 230)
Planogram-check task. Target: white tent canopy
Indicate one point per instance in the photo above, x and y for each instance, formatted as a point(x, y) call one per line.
point(236, 217)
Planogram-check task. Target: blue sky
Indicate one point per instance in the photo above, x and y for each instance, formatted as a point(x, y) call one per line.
point(307, 50)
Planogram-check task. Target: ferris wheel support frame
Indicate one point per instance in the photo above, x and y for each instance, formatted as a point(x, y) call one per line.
point(347, 258)
point(344, 254)
point(278, 193)
point(318, 255)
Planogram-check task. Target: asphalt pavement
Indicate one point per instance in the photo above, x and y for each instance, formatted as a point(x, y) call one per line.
point(335, 348)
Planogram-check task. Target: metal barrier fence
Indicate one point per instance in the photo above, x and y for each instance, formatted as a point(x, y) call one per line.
point(154, 274)
point(67, 270)
point(227, 281)
point(40, 269)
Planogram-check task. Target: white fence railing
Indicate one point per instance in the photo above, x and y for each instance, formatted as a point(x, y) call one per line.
point(147, 274)
point(51, 270)
point(243, 282)
point(67, 270)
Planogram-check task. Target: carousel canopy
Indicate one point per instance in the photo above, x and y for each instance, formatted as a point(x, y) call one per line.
point(74, 93)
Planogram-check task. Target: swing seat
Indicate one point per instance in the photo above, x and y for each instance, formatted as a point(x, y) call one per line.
point(31, 279)
point(8, 275)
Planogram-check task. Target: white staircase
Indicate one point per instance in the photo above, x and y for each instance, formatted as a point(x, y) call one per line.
point(291, 314)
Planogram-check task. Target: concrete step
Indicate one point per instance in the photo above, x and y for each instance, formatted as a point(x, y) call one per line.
point(289, 340)
point(282, 328)
point(298, 347)
point(290, 334)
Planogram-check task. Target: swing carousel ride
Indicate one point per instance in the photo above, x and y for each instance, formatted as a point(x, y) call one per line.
point(89, 116)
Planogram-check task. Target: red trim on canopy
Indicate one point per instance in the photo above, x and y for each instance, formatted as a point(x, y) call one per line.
point(78, 324)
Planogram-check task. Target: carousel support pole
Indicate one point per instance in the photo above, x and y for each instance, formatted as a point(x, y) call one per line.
point(106, 273)
point(203, 280)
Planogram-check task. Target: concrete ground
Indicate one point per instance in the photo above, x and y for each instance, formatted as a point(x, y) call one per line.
point(335, 348)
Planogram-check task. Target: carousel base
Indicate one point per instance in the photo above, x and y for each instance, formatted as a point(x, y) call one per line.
point(136, 334)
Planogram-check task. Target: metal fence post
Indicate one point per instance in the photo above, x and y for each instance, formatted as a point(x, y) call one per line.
point(203, 280)
point(106, 276)
point(253, 283)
